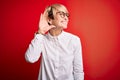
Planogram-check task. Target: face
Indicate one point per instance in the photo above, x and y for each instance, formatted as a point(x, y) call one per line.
point(60, 19)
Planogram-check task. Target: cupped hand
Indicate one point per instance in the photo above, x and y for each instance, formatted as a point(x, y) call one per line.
point(43, 23)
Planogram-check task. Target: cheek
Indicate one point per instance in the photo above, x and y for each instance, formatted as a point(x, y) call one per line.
point(56, 23)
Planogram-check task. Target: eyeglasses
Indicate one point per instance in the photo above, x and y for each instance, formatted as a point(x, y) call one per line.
point(63, 14)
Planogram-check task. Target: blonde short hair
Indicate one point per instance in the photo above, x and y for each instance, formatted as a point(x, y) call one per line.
point(53, 8)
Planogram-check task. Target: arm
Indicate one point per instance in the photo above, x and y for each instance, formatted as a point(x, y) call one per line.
point(34, 50)
point(78, 64)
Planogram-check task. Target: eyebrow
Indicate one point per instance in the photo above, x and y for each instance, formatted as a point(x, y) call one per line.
point(62, 12)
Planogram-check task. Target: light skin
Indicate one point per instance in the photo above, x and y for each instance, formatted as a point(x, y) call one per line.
point(56, 25)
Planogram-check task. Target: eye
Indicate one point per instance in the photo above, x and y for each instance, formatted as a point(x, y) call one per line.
point(67, 14)
point(63, 14)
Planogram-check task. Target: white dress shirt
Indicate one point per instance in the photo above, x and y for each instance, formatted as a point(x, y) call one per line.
point(61, 56)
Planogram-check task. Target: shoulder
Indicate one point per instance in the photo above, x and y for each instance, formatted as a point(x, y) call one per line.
point(72, 36)
point(74, 39)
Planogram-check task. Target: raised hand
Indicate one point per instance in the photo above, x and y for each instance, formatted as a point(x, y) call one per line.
point(43, 23)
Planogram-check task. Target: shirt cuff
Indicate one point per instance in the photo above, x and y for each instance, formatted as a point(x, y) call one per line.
point(39, 36)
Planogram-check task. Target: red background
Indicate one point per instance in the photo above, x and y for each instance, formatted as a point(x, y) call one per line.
point(96, 22)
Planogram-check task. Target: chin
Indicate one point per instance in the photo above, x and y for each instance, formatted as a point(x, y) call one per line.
point(65, 27)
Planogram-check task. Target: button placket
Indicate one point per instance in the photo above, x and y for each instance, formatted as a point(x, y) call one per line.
point(56, 59)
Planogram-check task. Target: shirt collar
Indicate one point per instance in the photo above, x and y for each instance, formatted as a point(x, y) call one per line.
point(59, 37)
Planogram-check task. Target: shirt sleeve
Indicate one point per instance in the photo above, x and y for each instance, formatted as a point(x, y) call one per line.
point(34, 50)
point(77, 63)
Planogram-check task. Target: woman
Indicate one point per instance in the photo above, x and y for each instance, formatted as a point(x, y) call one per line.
point(61, 51)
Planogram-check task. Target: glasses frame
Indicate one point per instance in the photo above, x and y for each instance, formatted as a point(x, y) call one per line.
point(63, 14)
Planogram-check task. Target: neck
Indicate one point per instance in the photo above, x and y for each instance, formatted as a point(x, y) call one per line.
point(55, 32)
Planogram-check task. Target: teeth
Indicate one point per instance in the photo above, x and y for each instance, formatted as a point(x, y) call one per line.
point(64, 22)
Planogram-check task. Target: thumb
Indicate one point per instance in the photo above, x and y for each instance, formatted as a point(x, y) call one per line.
point(52, 26)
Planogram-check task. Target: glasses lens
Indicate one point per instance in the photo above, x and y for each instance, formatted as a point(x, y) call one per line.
point(63, 14)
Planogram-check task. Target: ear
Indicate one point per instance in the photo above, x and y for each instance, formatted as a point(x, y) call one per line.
point(49, 21)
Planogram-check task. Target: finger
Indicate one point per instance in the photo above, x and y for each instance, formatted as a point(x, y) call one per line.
point(41, 16)
point(51, 26)
point(45, 15)
point(40, 21)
